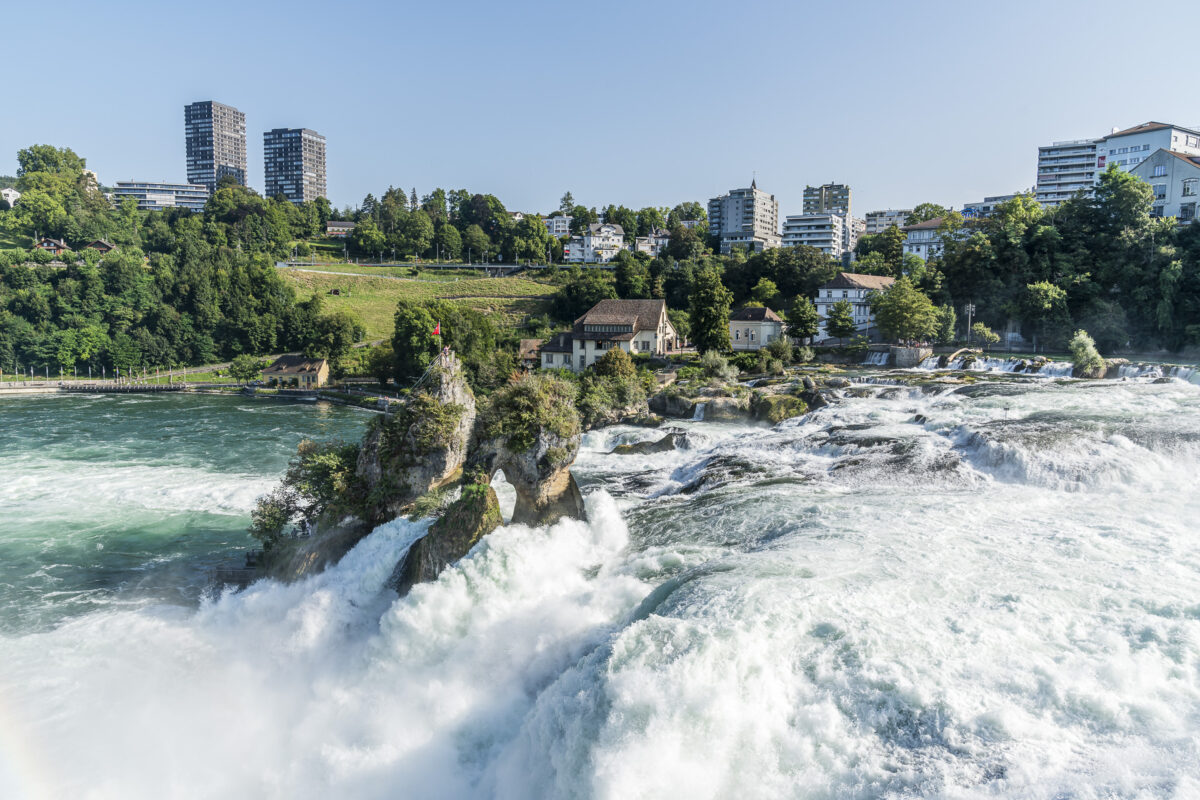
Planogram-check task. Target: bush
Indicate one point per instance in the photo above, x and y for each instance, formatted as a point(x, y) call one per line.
point(527, 406)
point(802, 355)
point(714, 365)
point(1083, 352)
point(780, 349)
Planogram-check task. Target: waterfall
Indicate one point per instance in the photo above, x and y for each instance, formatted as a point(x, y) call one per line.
point(698, 413)
point(1056, 369)
point(878, 358)
point(1131, 371)
point(1189, 374)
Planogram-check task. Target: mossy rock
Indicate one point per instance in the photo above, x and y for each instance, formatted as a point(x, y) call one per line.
point(776, 408)
point(475, 514)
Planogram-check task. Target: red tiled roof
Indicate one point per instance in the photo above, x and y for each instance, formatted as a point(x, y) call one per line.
point(854, 280)
point(754, 314)
point(936, 222)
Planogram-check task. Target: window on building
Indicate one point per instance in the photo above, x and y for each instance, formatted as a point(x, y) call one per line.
point(1187, 212)
point(1156, 211)
point(1160, 191)
point(1159, 171)
point(1189, 187)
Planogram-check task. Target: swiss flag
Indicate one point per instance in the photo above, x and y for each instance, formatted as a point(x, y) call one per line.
point(437, 329)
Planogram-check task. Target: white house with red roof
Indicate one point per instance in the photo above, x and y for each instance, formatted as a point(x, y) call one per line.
point(635, 326)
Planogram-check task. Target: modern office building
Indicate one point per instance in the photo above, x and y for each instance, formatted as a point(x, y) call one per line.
point(826, 232)
point(1065, 168)
point(1175, 179)
point(831, 198)
point(294, 164)
point(880, 221)
point(159, 196)
point(985, 207)
point(216, 143)
point(746, 218)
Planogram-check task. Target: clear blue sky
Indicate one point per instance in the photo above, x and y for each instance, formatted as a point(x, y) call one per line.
point(641, 103)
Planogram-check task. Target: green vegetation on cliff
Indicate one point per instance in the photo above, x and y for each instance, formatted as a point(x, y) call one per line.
point(521, 410)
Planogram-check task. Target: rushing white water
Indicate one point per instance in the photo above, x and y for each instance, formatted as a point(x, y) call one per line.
point(991, 591)
point(1047, 369)
point(877, 358)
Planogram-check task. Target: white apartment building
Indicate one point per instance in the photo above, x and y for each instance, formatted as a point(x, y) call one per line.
point(599, 244)
point(856, 290)
point(1130, 147)
point(826, 232)
point(922, 239)
point(1175, 178)
point(880, 221)
point(10, 195)
point(558, 226)
point(754, 328)
point(692, 223)
point(746, 218)
point(654, 243)
point(853, 230)
point(635, 326)
point(1065, 168)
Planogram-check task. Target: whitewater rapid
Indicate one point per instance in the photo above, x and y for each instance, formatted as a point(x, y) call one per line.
point(978, 591)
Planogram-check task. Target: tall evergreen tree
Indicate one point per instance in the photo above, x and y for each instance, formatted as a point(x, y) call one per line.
point(709, 311)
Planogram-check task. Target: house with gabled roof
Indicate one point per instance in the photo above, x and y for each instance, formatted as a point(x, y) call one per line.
point(635, 326)
point(101, 245)
point(754, 327)
point(1175, 179)
point(856, 289)
point(297, 371)
point(53, 246)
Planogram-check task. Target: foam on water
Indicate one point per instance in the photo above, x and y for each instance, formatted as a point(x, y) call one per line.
point(988, 593)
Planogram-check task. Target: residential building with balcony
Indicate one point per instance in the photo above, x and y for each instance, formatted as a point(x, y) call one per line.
point(654, 243)
point(856, 290)
point(294, 164)
point(159, 196)
point(216, 143)
point(599, 244)
point(558, 226)
point(833, 198)
point(922, 239)
point(826, 232)
point(747, 218)
point(339, 229)
point(1065, 168)
point(1175, 179)
point(880, 221)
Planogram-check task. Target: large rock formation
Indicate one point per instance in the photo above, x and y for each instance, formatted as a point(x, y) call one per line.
point(419, 446)
point(531, 432)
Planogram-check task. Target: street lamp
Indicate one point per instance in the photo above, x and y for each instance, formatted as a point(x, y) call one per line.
point(970, 309)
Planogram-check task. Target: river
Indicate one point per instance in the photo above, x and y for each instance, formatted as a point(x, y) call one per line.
point(983, 591)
